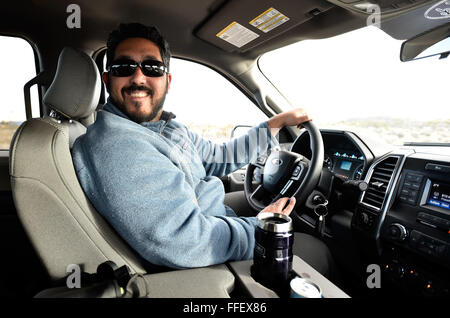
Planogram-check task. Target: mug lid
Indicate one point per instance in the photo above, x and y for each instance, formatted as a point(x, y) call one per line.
point(274, 222)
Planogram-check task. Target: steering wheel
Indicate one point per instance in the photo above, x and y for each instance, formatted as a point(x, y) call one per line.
point(286, 170)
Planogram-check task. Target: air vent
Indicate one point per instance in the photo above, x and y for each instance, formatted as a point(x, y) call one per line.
point(379, 183)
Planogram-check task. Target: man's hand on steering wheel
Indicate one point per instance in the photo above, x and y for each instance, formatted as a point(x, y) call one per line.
point(293, 117)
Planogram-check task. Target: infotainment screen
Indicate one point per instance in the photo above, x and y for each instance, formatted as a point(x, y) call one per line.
point(439, 195)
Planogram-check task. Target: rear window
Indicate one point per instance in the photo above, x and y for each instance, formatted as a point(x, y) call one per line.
point(18, 67)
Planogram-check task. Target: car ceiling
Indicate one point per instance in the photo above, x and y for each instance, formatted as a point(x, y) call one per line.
point(189, 26)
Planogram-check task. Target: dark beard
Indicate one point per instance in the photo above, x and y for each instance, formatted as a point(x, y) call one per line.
point(139, 117)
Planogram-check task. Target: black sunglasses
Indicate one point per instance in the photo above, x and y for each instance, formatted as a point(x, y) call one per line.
point(127, 67)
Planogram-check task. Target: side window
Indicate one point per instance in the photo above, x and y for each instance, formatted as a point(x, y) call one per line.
point(18, 67)
point(207, 103)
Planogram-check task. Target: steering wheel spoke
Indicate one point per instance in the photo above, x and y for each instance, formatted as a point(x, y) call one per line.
point(258, 197)
point(286, 187)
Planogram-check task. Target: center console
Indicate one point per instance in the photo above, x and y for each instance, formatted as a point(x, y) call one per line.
point(230, 280)
point(405, 213)
point(222, 281)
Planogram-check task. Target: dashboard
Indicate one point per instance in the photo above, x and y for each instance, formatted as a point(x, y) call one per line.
point(402, 220)
point(345, 155)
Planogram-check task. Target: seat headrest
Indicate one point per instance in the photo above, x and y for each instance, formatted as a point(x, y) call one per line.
point(75, 90)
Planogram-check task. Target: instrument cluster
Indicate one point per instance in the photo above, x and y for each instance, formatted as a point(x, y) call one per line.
point(342, 156)
point(344, 164)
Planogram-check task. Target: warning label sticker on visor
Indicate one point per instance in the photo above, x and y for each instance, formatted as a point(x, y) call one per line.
point(269, 20)
point(237, 34)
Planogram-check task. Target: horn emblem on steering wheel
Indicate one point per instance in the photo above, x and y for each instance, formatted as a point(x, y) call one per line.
point(277, 162)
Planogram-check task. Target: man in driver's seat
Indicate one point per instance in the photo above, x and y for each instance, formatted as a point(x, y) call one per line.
point(155, 181)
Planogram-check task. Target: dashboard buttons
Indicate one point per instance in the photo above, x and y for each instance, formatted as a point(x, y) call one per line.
point(414, 239)
point(415, 178)
point(261, 160)
point(428, 245)
point(328, 162)
point(410, 190)
point(297, 171)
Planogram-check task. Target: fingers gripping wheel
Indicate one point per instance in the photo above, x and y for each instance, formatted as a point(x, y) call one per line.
point(286, 172)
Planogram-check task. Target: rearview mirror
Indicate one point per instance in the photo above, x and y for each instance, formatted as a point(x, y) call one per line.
point(430, 43)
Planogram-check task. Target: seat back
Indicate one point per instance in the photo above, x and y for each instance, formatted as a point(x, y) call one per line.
point(61, 223)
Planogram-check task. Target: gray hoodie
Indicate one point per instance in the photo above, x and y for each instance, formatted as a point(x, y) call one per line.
point(157, 184)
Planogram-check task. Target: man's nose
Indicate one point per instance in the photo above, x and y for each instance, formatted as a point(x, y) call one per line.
point(138, 77)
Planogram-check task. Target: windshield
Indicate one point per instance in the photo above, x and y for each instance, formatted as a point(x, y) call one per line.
point(356, 82)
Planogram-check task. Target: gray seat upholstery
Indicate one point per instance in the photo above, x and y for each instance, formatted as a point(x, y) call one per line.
point(61, 223)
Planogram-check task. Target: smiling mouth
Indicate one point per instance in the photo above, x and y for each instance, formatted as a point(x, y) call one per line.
point(137, 92)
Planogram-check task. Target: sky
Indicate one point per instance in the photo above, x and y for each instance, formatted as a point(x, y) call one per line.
point(330, 78)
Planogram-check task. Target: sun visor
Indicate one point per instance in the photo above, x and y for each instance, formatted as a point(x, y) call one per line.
point(239, 25)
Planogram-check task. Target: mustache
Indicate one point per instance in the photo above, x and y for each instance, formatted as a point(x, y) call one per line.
point(134, 87)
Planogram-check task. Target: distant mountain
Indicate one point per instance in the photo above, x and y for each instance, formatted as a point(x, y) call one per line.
point(11, 123)
point(398, 122)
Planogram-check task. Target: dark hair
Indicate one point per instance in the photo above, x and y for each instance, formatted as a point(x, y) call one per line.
point(136, 30)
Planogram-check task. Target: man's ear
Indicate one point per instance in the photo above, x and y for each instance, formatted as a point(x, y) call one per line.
point(169, 80)
point(105, 77)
